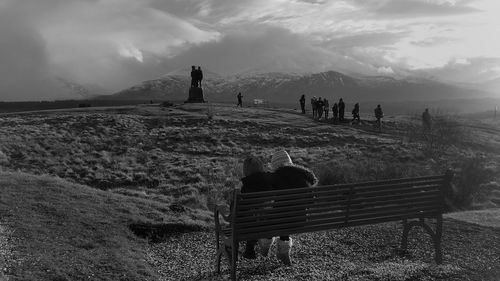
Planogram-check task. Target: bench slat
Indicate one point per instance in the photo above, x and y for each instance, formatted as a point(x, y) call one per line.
point(437, 179)
point(268, 214)
point(311, 219)
point(331, 190)
point(306, 221)
point(312, 201)
point(332, 225)
point(356, 203)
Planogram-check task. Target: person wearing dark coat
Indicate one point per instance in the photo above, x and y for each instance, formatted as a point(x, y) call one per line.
point(302, 101)
point(288, 175)
point(319, 108)
point(426, 120)
point(335, 112)
point(255, 180)
point(341, 110)
point(378, 115)
point(355, 113)
point(314, 103)
point(240, 100)
point(326, 108)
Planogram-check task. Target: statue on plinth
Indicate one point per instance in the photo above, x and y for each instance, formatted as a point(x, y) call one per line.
point(195, 91)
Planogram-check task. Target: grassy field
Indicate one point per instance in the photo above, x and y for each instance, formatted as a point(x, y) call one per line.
point(78, 184)
point(182, 153)
point(66, 231)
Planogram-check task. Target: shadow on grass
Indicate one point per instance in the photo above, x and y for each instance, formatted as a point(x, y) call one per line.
point(157, 233)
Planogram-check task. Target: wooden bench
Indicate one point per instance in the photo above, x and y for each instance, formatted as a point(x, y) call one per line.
point(290, 211)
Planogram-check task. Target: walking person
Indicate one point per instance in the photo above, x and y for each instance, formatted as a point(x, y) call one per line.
point(288, 175)
point(355, 113)
point(240, 100)
point(303, 104)
point(378, 115)
point(341, 110)
point(335, 113)
point(326, 108)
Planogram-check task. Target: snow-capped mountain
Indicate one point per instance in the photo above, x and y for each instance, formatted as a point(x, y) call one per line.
point(288, 87)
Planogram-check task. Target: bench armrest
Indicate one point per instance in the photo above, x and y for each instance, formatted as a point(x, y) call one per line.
point(220, 210)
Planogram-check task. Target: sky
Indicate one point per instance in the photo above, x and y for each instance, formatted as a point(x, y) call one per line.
point(114, 44)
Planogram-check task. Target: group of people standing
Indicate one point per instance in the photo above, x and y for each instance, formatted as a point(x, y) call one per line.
point(321, 106)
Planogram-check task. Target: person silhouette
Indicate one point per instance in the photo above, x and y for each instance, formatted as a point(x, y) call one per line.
point(240, 100)
point(335, 112)
point(194, 77)
point(426, 120)
point(302, 101)
point(379, 114)
point(341, 110)
point(199, 76)
point(355, 113)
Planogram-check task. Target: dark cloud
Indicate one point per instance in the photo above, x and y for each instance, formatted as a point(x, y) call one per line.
point(24, 67)
point(116, 44)
point(84, 41)
point(264, 48)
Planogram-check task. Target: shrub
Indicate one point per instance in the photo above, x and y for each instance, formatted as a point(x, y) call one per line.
point(166, 104)
point(4, 159)
point(445, 132)
point(364, 170)
point(470, 176)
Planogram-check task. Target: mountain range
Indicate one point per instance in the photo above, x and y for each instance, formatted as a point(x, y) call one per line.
point(288, 87)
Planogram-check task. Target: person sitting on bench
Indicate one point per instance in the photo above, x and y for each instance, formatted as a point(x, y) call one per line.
point(255, 180)
point(287, 175)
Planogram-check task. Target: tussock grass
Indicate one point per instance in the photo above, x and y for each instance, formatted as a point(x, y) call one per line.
point(107, 178)
point(66, 231)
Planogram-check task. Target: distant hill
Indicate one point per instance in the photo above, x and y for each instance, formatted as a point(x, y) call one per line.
point(73, 90)
point(288, 87)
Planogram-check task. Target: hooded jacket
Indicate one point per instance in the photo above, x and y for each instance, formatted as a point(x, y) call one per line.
point(261, 181)
point(293, 176)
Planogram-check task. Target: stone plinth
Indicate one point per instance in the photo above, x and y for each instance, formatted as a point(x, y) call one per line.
point(195, 95)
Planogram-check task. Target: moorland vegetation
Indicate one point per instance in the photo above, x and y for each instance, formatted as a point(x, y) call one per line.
point(164, 168)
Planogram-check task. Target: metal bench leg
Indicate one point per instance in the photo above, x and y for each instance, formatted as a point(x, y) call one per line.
point(234, 258)
point(404, 238)
point(437, 240)
point(435, 235)
point(218, 257)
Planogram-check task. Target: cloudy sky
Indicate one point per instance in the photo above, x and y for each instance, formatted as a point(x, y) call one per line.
point(117, 43)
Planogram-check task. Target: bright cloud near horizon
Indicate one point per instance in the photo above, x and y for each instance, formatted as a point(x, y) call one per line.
point(118, 43)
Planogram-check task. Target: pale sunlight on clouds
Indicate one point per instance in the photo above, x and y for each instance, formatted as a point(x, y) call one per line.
point(118, 43)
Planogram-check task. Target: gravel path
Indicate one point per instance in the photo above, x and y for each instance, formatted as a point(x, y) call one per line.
point(490, 217)
point(5, 250)
point(471, 252)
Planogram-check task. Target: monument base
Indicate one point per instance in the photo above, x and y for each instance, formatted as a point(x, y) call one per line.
point(195, 95)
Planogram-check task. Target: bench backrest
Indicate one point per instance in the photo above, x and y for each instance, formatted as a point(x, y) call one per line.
point(273, 213)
